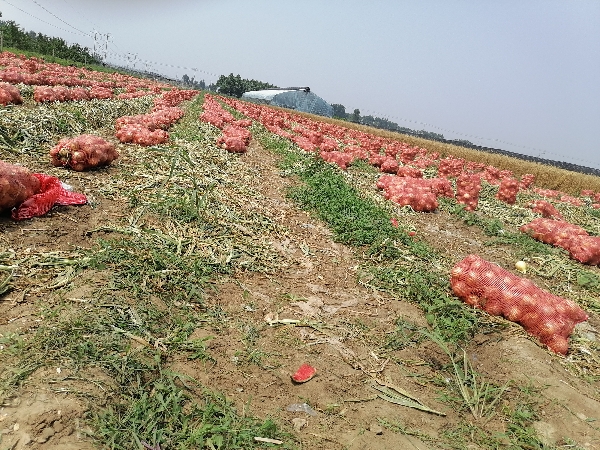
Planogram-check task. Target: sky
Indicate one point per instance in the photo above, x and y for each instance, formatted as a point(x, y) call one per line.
point(519, 75)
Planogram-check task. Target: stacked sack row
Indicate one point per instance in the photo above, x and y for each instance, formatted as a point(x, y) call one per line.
point(574, 239)
point(36, 72)
point(479, 283)
point(150, 129)
point(45, 94)
point(33, 194)
point(343, 146)
point(236, 136)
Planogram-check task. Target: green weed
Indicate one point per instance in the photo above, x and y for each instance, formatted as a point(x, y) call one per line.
point(163, 413)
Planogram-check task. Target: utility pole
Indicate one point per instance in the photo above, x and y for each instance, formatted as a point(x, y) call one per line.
point(107, 35)
point(101, 45)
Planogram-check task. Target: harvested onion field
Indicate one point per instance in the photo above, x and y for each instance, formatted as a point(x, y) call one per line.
point(172, 309)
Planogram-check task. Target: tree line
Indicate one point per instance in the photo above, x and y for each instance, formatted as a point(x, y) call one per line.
point(14, 36)
point(339, 112)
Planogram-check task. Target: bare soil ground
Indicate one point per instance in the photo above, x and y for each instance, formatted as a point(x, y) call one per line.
point(344, 327)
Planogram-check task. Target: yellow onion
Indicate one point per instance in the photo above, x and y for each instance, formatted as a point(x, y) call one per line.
point(521, 266)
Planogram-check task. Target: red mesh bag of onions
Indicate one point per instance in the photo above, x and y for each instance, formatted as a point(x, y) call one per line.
point(407, 171)
point(499, 292)
point(509, 188)
point(417, 193)
point(340, 158)
point(83, 152)
point(9, 94)
point(17, 184)
point(467, 190)
point(141, 135)
point(546, 209)
point(585, 249)
point(581, 246)
point(555, 232)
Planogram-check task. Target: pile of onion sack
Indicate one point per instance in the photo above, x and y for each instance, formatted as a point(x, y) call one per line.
point(499, 292)
point(83, 152)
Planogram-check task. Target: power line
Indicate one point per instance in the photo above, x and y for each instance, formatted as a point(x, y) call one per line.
point(79, 13)
point(55, 16)
point(37, 18)
point(155, 63)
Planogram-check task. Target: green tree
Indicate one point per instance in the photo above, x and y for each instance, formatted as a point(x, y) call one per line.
point(231, 85)
point(235, 85)
point(355, 117)
point(339, 111)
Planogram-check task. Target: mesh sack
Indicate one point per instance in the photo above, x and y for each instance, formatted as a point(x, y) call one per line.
point(17, 184)
point(235, 139)
point(527, 180)
point(546, 209)
point(174, 97)
point(467, 191)
point(341, 159)
point(441, 187)
point(304, 143)
point(509, 187)
point(329, 145)
point(571, 200)
point(585, 249)
point(51, 193)
point(498, 292)
point(450, 167)
point(357, 152)
point(83, 152)
point(554, 232)
point(389, 165)
point(407, 171)
point(9, 94)
point(376, 159)
point(492, 175)
point(141, 135)
point(406, 191)
point(474, 167)
point(408, 154)
point(101, 93)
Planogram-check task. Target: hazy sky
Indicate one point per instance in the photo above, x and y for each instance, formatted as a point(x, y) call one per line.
point(521, 75)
